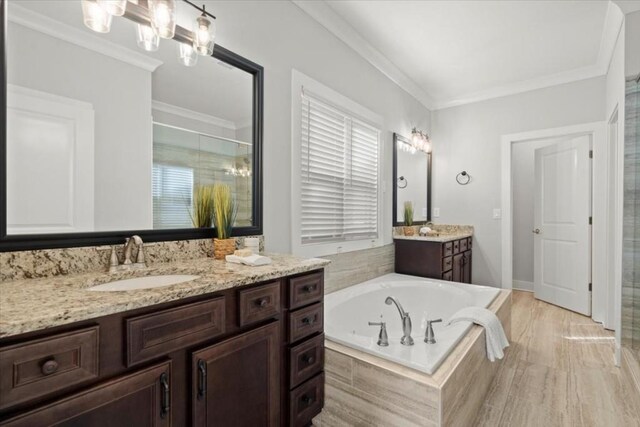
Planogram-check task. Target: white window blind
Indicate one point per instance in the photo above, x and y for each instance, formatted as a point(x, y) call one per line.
point(172, 196)
point(339, 182)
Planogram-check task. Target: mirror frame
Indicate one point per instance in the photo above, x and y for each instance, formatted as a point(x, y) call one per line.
point(399, 139)
point(20, 242)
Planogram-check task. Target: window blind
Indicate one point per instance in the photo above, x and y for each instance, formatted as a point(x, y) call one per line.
point(172, 196)
point(339, 182)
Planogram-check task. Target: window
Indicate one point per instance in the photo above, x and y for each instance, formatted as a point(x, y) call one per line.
point(172, 196)
point(336, 171)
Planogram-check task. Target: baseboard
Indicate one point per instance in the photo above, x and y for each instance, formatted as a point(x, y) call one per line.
point(523, 285)
point(631, 368)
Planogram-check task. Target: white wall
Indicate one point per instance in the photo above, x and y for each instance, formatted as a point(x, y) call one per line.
point(468, 138)
point(122, 182)
point(632, 44)
point(281, 37)
point(523, 184)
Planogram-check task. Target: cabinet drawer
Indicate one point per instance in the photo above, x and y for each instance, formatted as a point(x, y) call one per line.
point(306, 289)
point(162, 332)
point(305, 322)
point(447, 275)
point(40, 367)
point(456, 247)
point(447, 263)
point(469, 242)
point(305, 360)
point(463, 245)
point(260, 303)
point(447, 249)
point(306, 401)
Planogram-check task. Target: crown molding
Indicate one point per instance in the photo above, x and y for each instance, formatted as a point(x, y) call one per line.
point(43, 24)
point(193, 115)
point(335, 24)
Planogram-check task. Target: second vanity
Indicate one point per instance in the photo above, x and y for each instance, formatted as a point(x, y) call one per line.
point(236, 346)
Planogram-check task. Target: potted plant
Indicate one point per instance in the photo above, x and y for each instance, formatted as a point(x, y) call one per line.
point(202, 213)
point(408, 219)
point(224, 217)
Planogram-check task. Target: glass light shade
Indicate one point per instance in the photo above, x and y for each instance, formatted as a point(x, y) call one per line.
point(95, 17)
point(188, 55)
point(113, 7)
point(148, 38)
point(163, 17)
point(204, 33)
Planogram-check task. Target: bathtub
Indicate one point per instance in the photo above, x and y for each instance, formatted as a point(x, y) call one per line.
point(347, 312)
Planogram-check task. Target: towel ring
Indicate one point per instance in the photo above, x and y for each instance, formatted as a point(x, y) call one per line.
point(463, 178)
point(402, 180)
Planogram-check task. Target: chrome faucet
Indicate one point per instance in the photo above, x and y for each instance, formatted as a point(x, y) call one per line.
point(127, 264)
point(406, 321)
point(429, 336)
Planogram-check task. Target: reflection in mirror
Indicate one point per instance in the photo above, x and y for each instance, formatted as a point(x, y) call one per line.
point(105, 136)
point(411, 180)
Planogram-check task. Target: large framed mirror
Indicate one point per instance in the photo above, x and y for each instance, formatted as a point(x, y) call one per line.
point(411, 181)
point(106, 135)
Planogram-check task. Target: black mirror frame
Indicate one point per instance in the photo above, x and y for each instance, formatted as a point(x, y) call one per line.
point(65, 240)
point(399, 139)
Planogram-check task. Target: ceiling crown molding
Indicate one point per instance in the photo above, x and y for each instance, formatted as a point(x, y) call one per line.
point(43, 24)
point(335, 24)
point(193, 115)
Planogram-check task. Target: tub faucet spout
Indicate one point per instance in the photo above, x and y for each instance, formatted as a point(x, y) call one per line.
point(406, 321)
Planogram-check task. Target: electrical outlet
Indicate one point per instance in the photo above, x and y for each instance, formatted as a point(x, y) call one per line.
point(436, 212)
point(497, 213)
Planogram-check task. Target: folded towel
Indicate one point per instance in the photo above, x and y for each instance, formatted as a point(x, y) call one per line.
point(253, 260)
point(496, 338)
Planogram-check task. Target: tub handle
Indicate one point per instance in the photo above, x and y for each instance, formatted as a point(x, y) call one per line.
point(383, 339)
point(429, 335)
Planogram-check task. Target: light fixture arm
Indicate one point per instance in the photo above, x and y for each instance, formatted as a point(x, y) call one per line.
point(201, 9)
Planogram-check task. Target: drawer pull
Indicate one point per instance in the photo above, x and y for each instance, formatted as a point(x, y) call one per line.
point(307, 400)
point(49, 367)
point(308, 359)
point(165, 404)
point(309, 288)
point(308, 321)
point(202, 379)
point(262, 302)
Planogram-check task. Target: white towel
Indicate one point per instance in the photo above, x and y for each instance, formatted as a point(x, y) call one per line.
point(496, 338)
point(253, 260)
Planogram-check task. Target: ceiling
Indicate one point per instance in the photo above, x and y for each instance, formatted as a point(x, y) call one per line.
point(448, 53)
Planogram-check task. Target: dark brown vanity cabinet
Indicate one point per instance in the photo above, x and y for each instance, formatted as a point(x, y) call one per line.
point(438, 260)
point(248, 356)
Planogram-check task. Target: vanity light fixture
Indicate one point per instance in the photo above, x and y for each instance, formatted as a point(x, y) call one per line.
point(148, 38)
point(204, 33)
point(188, 55)
point(113, 7)
point(420, 140)
point(163, 17)
point(96, 17)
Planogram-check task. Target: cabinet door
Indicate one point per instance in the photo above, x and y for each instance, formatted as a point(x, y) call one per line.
point(466, 267)
point(457, 270)
point(141, 399)
point(237, 381)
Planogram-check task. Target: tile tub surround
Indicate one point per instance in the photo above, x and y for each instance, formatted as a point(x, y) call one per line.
point(448, 232)
point(362, 389)
point(350, 268)
point(33, 304)
point(56, 262)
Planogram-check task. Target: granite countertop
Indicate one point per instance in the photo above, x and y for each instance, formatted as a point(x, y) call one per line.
point(442, 238)
point(34, 304)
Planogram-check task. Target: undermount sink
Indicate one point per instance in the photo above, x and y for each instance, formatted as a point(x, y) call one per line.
point(146, 282)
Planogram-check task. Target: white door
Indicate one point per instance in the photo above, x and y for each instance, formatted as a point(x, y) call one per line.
point(562, 234)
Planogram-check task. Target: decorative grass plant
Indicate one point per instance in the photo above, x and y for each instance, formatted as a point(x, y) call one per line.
point(224, 217)
point(408, 219)
point(202, 214)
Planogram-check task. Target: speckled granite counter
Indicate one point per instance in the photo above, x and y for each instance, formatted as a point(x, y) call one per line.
point(441, 238)
point(34, 304)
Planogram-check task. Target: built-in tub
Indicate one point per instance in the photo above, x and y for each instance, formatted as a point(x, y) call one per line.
point(442, 384)
point(347, 313)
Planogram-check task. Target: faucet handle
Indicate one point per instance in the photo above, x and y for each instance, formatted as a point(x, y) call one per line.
point(383, 338)
point(140, 257)
point(429, 335)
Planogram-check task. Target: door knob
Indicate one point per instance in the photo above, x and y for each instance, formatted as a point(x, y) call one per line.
point(536, 231)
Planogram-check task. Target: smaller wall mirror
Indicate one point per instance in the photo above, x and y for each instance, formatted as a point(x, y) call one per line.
point(412, 181)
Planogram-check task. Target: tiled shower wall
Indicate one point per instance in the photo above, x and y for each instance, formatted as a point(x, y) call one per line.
point(631, 238)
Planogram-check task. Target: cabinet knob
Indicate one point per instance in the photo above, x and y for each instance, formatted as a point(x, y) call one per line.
point(307, 400)
point(308, 359)
point(309, 288)
point(262, 302)
point(49, 367)
point(308, 321)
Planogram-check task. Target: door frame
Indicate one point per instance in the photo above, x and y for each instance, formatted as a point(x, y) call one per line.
point(601, 241)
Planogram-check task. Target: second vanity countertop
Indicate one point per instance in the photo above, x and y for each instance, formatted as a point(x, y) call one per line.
point(34, 304)
point(441, 238)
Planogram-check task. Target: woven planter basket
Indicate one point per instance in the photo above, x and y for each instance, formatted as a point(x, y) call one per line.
point(409, 230)
point(223, 247)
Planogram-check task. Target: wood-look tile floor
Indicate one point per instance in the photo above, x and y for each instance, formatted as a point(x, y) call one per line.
point(559, 371)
